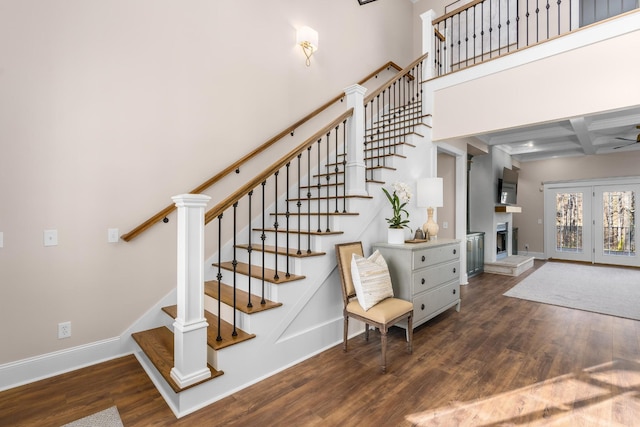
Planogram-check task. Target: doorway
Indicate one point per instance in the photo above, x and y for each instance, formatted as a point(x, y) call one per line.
point(592, 221)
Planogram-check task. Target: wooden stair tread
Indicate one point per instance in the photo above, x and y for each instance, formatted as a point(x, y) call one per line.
point(256, 272)
point(304, 199)
point(211, 289)
point(385, 155)
point(226, 330)
point(312, 232)
point(158, 345)
point(293, 252)
point(316, 213)
point(381, 167)
point(376, 138)
point(396, 144)
point(324, 184)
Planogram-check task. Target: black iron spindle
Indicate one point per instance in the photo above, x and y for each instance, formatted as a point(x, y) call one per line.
point(235, 266)
point(344, 165)
point(276, 225)
point(328, 178)
point(263, 237)
point(309, 200)
point(219, 275)
point(336, 168)
point(299, 204)
point(286, 234)
point(249, 249)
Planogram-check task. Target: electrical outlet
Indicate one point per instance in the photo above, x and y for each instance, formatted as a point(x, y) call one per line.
point(50, 237)
point(64, 330)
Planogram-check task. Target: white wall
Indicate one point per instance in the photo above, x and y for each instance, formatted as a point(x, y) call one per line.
point(107, 109)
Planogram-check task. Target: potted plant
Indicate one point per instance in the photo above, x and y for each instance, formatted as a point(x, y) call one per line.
point(399, 198)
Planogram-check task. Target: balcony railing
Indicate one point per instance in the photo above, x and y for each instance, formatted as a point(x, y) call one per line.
point(485, 29)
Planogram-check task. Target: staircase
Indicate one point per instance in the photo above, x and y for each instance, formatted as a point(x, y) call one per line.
point(271, 294)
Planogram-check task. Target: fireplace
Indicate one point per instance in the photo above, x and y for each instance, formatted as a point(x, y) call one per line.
point(502, 239)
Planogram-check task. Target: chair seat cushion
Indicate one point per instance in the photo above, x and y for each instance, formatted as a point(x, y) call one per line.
point(371, 279)
point(382, 312)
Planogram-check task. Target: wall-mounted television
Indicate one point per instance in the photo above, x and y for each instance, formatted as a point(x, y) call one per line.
point(508, 187)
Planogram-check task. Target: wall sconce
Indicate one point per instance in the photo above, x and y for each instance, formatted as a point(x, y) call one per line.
point(307, 38)
point(430, 195)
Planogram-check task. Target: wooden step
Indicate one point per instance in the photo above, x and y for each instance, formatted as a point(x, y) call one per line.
point(324, 184)
point(385, 155)
point(158, 345)
point(380, 167)
point(256, 272)
point(396, 144)
point(304, 232)
point(316, 214)
point(374, 138)
point(399, 119)
point(305, 199)
point(293, 252)
point(242, 298)
point(226, 330)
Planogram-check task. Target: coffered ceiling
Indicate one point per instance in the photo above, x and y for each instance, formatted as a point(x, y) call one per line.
point(608, 132)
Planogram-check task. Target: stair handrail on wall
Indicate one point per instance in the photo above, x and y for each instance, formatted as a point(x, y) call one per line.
point(235, 167)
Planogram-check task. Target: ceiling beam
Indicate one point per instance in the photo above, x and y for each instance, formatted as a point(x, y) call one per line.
point(580, 128)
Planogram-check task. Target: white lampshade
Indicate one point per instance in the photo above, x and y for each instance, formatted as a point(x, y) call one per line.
point(429, 193)
point(307, 35)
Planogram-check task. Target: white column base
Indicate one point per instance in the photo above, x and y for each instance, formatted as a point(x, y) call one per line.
point(356, 174)
point(184, 381)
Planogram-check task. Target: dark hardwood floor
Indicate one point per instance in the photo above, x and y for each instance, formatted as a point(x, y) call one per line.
point(499, 361)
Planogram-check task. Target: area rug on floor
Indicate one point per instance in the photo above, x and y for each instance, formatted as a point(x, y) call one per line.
point(601, 289)
point(108, 418)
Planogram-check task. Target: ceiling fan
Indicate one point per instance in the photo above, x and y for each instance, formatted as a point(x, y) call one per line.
point(630, 141)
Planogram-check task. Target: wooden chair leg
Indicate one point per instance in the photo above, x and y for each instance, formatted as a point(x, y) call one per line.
point(366, 332)
point(410, 334)
point(344, 335)
point(383, 345)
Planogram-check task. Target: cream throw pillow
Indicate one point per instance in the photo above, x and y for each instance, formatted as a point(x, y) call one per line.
point(371, 279)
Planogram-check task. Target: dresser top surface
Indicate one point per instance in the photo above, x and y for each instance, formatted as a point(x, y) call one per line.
point(414, 246)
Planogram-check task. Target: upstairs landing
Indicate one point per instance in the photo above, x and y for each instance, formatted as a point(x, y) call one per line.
point(513, 265)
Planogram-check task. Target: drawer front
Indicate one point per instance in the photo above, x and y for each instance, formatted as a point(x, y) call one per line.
point(433, 277)
point(426, 304)
point(431, 256)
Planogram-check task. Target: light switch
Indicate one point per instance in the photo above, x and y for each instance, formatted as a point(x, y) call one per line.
point(445, 225)
point(50, 237)
point(113, 235)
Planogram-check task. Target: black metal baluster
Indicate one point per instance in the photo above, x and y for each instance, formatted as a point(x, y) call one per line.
point(309, 200)
point(263, 237)
point(559, 2)
point(235, 266)
point(527, 16)
point(482, 32)
point(219, 275)
point(459, 41)
point(537, 21)
point(276, 225)
point(249, 249)
point(490, 30)
point(319, 184)
point(379, 141)
point(299, 204)
point(336, 168)
point(287, 213)
point(548, 6)
point(328, 178)
point(344, 165)
point(499, 28)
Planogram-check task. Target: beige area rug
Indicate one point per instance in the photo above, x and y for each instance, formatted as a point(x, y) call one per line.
point(600, 289)
point(108, 418)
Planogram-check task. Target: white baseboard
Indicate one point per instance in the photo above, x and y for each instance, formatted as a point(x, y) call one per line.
point(26, 371)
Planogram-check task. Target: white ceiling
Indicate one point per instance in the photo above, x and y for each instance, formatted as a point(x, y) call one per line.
point(579, 136)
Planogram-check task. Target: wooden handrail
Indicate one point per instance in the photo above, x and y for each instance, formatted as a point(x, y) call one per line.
point(402, 73)
point(236, 165)
point(456, 11)
point(261, 177)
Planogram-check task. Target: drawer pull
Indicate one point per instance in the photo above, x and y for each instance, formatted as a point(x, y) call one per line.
point(422, 281)
point(454, 291)
point(454, 270)
point(422, 307)
point(455, 251)
point(423, 258)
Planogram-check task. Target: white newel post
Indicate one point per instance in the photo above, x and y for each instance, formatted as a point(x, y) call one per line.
point(190, 326)
point(355, 174)
point(429, 70)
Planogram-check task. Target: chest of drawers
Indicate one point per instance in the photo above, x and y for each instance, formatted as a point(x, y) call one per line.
point(427, 274)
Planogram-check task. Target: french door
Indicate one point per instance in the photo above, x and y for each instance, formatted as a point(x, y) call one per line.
point(592, 223)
